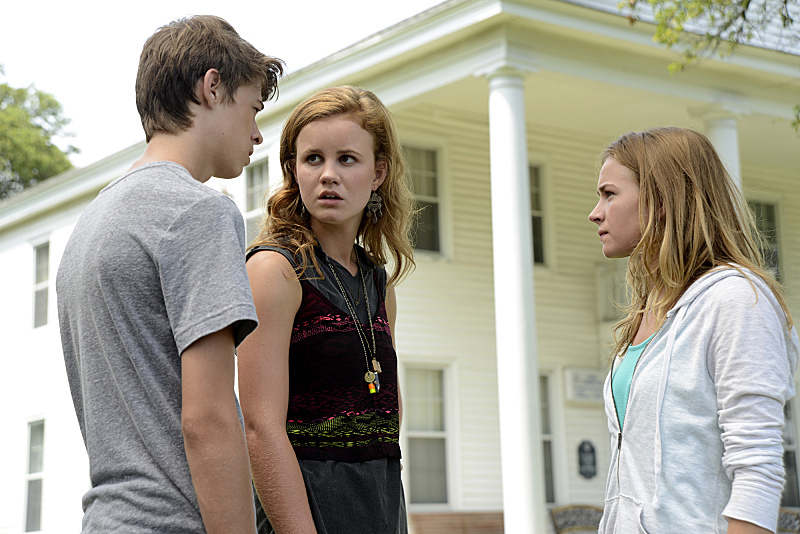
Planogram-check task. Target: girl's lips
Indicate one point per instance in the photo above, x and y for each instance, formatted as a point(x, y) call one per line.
point(329, 199)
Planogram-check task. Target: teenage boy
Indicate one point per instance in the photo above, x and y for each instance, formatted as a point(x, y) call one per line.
point(153, 295)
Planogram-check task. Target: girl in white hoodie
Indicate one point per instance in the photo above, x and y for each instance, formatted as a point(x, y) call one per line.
point(704, 359)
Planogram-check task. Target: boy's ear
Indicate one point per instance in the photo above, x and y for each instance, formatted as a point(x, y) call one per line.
point(212, 88)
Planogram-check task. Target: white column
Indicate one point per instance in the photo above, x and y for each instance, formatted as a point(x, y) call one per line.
point(515, 317)
point(724, 135)
point(721, 128)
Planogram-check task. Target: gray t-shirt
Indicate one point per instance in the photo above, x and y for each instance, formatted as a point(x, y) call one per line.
point(155, 262)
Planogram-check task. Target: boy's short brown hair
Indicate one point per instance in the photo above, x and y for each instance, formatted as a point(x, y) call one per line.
point(177, 55)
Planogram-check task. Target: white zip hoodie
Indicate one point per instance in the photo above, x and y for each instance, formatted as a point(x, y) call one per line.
point(702, 434)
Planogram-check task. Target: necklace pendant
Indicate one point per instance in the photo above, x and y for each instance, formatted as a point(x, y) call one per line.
point(377, 383)
point(376, 366)
point(372, 389)
point(369, 377)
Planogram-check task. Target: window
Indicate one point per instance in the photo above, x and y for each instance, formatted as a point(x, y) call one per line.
point(537, 213)
point(547, 440)
point(791, 489)
point(424, 409)
point(33, 506)
point(257, 183)
point(612, 290)
point(423, 167)
point(40, 287)
point(766, 215)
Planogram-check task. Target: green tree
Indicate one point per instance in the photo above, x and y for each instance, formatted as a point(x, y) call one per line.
point(29, 120)
point(716, 28)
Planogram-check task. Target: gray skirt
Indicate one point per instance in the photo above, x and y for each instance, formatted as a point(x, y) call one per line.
point(351, 498)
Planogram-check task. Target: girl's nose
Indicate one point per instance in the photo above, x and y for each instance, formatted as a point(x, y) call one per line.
point(329, 174)
point(594, 215)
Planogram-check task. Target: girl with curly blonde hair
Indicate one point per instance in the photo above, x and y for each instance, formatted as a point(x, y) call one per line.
point(318, 377)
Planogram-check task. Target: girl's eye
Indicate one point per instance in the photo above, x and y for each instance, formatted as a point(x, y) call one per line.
point(348, 159)
point(313, 158)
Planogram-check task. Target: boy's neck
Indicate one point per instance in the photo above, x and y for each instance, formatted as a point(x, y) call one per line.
point(177, 148)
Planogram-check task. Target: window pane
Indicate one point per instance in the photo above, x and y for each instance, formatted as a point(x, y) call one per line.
point(36, 447)
point(544, 399)
point(424, 401)
point(549, 486)
point(536, 189)
point(424, 174)
point(42, 263)
point(252, 225)
point(257, 183)
point(766, 218)
point(422, 167)
point(428, 472)
point(33, 516)
point(427, 231)
point(538, 239)
point(40, 307)
point(537, 213)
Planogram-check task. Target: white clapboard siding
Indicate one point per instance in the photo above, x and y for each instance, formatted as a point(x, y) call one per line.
point(451, 297)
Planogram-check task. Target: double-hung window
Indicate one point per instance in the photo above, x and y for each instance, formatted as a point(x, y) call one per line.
point(257, 183)
point(766, 216)
point(547, 440)
point(41, 283)
point(423, 167)
point(33, 492)
point(424, 410)
point(537, 213)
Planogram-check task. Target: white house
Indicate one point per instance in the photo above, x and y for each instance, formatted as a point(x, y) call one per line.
point(502, 334)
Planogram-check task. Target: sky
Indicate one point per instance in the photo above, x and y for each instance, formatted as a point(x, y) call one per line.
point(86, 52)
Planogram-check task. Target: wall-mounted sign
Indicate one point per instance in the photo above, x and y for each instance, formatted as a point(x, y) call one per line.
point(585, 385)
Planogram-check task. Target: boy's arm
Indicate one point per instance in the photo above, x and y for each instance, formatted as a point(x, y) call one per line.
point(213, 436)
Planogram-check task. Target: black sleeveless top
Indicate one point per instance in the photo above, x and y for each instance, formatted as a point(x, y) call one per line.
point(331, 413)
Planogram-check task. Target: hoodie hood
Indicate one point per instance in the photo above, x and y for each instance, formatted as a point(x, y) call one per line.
point(712, 277)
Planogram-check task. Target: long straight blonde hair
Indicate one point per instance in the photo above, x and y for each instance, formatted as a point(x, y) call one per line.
point(286, 226)
point(692, 217)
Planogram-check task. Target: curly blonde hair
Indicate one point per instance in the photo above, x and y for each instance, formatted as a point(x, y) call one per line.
point(692, 218)
point(285, 226)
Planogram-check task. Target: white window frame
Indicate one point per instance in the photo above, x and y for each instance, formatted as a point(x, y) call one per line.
point(444, 201)
point(448, 367)
point(38, 475)
point(45, 284)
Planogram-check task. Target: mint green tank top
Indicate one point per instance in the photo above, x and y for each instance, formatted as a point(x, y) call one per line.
point(622, 377)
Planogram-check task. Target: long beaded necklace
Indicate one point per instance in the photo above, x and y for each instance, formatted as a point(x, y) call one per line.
point(371, 376)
